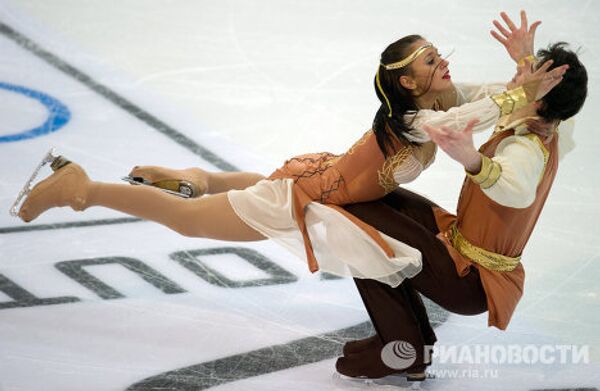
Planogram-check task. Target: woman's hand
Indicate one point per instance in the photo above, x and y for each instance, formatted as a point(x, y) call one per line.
point(458, 145)
point(517, 41)
point(537, 83)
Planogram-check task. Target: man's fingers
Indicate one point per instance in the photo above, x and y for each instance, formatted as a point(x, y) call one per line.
point(498, 37)
point(561, 70)
point(534, 27)
point(508, 22)
point(554, 83)
point(523, 20)
point(446, 131)
point(437, 135)
point(430, 131)
point(501, 28)
point(526, 66)
point(470, 125)
point(544, 67)
point(442, 133)
point(557, 72)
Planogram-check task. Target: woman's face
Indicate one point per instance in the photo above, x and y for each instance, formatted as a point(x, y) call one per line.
point(428, 68)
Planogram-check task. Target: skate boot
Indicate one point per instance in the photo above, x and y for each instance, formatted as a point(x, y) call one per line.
point(67, 186)
point(359, 345)
point(192, 182)
point(369, 365)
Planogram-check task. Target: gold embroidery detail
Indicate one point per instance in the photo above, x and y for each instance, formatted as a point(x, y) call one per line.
point(487, 259)
point(331, 161)
point(385, 176)
point(537, 140)
point(545, 151)
point(360, 142)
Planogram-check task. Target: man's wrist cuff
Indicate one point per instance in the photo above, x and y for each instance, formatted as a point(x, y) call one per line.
point(489, 173)
point(511, 101)
point(531, 58)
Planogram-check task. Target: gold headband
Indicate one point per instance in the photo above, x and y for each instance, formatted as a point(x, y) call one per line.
point(412, 57)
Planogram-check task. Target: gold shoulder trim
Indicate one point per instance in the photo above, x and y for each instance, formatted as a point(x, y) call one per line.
point(545, 152)
point(385, 176)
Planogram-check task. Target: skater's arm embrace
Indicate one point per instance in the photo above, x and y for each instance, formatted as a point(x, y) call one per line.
point(467, 101)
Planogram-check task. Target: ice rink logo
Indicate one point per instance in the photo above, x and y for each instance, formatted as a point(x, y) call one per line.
point(58, 114)
point(398, 355)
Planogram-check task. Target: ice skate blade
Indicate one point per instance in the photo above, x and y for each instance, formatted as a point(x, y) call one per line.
point(140, 181)
point(389, 383)
point(49, 158)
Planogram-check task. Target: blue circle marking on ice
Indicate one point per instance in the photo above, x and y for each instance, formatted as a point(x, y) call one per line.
point(58, 114)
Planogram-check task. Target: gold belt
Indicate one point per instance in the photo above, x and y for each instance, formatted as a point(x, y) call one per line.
point(487, 259)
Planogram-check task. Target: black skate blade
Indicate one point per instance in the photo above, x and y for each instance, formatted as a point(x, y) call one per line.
point(50, 157)
point(135, 180)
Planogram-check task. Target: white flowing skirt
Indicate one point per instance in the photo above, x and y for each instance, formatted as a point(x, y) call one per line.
point(340, 246)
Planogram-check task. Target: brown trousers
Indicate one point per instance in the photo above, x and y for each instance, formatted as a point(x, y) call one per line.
point(399, 313)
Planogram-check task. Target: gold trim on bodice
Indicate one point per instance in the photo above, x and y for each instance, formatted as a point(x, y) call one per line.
point(360, 142)
point(385, 176)
point(423, 153)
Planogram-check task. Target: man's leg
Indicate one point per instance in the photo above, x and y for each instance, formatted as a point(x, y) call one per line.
point(396, 313)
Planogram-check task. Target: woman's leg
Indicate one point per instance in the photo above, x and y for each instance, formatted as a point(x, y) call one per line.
point(206, 182)
point(208, 217)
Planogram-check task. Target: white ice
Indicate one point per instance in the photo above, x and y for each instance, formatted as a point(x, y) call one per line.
point(258, 82)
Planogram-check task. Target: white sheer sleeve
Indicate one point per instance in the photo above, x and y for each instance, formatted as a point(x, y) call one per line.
point(473, 102)
point(408, 171)
point(566, 142)
point(473, 92)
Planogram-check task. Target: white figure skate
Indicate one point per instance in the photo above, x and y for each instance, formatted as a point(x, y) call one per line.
point(55, 162)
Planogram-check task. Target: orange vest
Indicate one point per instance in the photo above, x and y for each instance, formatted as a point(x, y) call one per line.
point(499, 229)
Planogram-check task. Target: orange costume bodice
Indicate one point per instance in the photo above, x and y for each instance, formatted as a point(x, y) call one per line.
point(361, 174)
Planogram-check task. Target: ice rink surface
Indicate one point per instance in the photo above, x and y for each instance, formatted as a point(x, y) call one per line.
point(100, 301)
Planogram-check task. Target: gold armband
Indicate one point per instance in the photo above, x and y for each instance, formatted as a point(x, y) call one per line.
point(531, 58)
point(489, 173)
point(511, 101)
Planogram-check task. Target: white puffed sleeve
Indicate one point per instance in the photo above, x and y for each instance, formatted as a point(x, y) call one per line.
point(473, 92)
point(473, 102)
point(408, 171)
point(566, 142)
point(514, 173)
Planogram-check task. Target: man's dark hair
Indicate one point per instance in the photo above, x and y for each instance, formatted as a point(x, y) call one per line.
point(566, 99)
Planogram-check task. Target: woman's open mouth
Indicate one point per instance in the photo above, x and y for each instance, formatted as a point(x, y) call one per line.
point(446, 75)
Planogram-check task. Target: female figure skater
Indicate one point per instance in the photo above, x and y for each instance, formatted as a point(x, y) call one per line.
point(298, 205)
